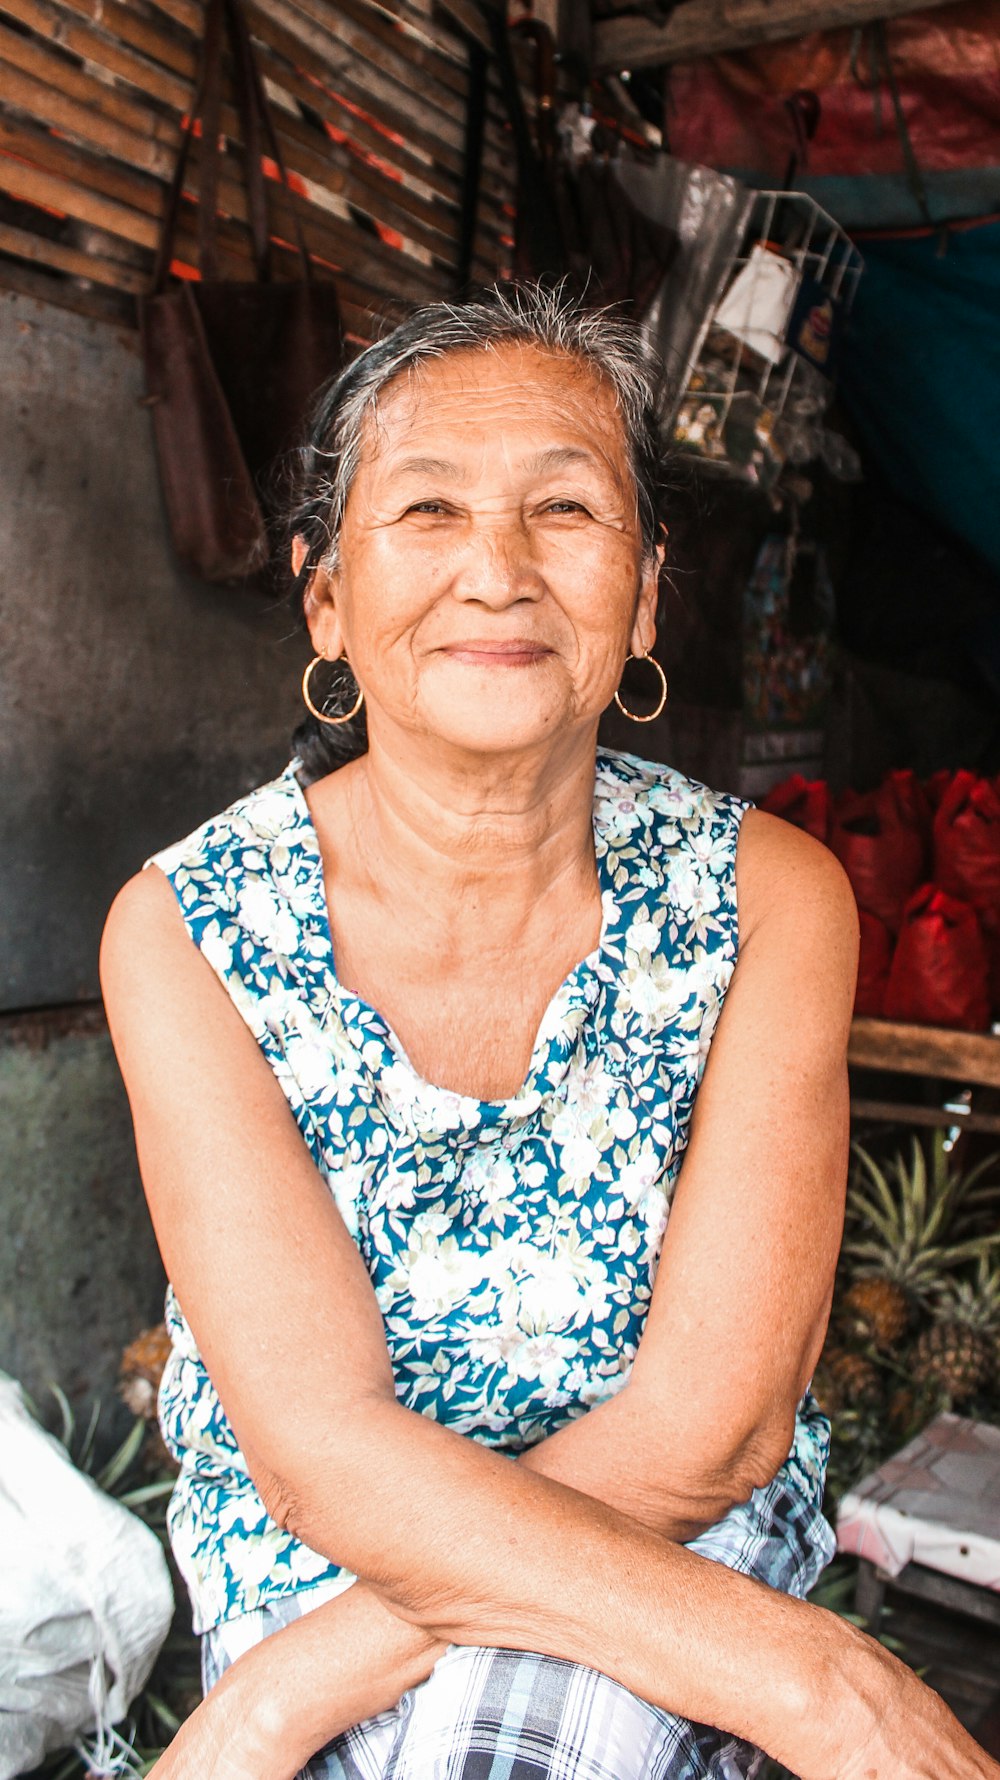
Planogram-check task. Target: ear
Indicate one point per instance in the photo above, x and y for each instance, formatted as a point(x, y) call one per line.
point(319, 606)
point(300, 550)
point(644, 624)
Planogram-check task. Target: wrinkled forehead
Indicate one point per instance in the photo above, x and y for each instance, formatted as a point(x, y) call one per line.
point(511, 391)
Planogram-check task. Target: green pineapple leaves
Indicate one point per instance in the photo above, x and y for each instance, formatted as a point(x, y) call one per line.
point(913, 1224)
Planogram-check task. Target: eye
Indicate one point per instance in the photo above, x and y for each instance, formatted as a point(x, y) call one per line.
point(427, 507)
point(565, 506)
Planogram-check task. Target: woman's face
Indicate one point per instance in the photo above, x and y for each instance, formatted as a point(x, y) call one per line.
point(491, 578)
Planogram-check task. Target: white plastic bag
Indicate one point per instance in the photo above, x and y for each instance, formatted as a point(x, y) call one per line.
point(85, 1596)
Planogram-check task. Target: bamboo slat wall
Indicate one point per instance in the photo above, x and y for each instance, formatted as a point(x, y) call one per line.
point(369, 100)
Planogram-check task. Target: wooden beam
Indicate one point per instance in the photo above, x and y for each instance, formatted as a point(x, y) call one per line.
point(46, 61)
point(710, 27)
point(48, 105)
point(52, 191)
point(42, 286)
point(42, 252)
point(100, 50)
point(386, 201)
point(467, 17)
point(402, 13)
point(141, 61)
point(969, 1057)
point(898, 1112)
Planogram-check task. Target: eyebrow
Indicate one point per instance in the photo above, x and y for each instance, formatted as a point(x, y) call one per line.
point(556, 457)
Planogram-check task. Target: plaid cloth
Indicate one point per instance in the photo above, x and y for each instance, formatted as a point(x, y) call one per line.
point(486, 1714)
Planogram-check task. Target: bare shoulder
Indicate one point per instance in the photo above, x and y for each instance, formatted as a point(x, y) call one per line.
point(788, 880)
point(145, 900)
point(145, 942)
point(797, 963)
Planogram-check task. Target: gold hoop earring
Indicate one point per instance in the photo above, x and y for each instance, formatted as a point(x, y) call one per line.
point(663, 691)
point(313, 709)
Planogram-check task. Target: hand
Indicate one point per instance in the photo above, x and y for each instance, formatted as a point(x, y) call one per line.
point(873, 1719)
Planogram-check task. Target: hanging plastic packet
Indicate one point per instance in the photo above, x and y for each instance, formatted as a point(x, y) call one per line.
point(757, 306)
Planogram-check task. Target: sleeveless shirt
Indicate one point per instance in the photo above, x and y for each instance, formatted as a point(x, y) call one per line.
point(512, 1244)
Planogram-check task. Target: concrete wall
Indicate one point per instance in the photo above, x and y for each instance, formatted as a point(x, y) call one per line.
point(133, 699)
point(133, 702)
point(79, 1272)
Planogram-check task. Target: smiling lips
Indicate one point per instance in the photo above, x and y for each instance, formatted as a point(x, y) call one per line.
point(518, 652)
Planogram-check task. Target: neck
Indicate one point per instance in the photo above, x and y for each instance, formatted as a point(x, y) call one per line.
point(466, 831)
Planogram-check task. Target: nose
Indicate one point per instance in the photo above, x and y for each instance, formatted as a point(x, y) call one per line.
point(495, 565)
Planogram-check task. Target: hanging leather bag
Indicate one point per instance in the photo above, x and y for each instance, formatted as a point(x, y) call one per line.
point(232, 367)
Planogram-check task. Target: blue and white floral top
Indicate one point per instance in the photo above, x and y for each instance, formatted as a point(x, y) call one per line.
point(512, 1244)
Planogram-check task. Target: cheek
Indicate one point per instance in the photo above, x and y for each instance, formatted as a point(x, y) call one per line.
point(600, 591)
point(382, 599)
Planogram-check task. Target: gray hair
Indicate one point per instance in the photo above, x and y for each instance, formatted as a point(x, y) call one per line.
point(531, 315)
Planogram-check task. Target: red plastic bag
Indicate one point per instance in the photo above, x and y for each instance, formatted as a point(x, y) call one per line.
point(967, 845)
point(805, 802)
point(881, 842)
point(936, 786)
point(873, 965)
point(911, 800)
point(938, 975)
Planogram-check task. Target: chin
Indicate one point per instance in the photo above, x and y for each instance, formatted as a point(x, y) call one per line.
point(498, 728)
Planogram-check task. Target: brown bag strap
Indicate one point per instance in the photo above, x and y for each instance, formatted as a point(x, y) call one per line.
point(248, 106)
point(258, 122)
point(210, 159)
point(211, 46)
point(226, 17)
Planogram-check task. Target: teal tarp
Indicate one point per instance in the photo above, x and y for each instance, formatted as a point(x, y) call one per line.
point(921, 375)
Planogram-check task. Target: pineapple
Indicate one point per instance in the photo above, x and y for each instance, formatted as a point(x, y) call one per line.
point(845, 1380)
point(957, 1354)
point(899, 1224)
point(141, 1369)
point(902, 1411)
point(878, 1310)
point(139, 1377)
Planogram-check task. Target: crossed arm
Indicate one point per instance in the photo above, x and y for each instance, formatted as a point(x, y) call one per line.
point(488, 1551)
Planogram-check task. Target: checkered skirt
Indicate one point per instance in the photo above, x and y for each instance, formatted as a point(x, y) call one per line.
point(486, 1714)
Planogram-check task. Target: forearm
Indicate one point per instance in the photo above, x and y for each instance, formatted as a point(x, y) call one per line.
point(488, 1553)
point(631, 1454)
point(354, 1656)
point(683, 1633)
point(336, 1666)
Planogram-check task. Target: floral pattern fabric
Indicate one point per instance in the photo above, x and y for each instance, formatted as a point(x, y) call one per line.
point(512, 1244)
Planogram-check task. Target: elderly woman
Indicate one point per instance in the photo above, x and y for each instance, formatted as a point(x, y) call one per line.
point(487, 1468)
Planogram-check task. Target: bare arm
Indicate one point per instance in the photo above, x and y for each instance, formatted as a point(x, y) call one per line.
point(743, 1290)
point(243, 1216)
point(294, 1692)
point(488, 1552)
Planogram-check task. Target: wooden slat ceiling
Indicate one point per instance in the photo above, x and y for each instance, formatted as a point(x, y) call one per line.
point(369, 101)
point(712, 27)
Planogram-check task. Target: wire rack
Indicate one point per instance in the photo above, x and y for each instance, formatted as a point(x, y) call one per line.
point(749, 400)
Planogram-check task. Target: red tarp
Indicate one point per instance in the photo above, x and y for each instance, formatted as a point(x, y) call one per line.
point(731, 112)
